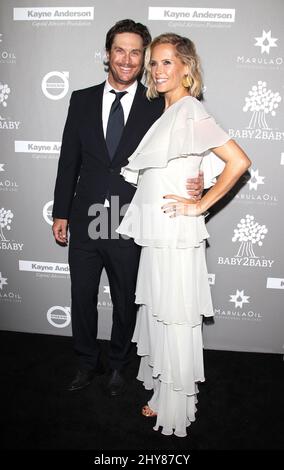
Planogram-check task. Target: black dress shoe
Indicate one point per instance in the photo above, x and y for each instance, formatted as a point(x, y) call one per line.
point(116, 384)
point(84, 377)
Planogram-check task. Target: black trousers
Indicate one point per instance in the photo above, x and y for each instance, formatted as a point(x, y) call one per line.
point(86, 262)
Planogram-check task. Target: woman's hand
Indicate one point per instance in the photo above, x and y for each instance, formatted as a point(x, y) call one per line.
point(182, 206)
point(195, 186)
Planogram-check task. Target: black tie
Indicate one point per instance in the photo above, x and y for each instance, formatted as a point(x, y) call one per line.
point(115, 123)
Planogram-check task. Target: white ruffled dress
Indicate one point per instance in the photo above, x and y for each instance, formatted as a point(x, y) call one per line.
point(172, 284)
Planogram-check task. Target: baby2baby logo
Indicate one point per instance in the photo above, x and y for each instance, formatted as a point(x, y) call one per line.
point(250, 236)
point(6, 217)
point(261, 104)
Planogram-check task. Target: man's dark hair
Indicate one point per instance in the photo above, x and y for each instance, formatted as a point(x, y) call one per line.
point(128, 26)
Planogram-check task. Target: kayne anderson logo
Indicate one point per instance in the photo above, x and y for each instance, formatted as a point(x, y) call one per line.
point(55, 85)
point(255, 190)
point(239, 299)
point(208, 15)
point(264, 55)
point(249, 234)
point(7, 295)
point(45, 268)
point(38, 149)
point(53, 13)
point(275, 283)
point(261, 103)
point(58, 316)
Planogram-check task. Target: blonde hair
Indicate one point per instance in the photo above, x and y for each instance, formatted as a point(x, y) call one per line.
point(186, 52)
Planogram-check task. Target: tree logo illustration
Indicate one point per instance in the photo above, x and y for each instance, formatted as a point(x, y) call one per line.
point(261, 101)
point(5, 220)
point(4, 94)
point(249, 233)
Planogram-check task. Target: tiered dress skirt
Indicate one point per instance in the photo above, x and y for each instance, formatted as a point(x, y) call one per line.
point(173, 294)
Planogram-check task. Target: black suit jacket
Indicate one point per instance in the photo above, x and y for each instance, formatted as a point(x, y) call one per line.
point(86, 175)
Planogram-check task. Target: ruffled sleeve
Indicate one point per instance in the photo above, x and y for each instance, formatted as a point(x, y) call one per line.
point(208, 134)
point(184, 129)
point(212, 166)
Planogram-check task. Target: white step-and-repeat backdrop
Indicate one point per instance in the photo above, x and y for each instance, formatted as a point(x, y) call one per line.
point(48, 49)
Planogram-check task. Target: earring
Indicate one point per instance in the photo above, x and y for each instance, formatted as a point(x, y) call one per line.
point(186, 81)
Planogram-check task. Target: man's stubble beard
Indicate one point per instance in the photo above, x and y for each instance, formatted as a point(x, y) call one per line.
point(117, 78)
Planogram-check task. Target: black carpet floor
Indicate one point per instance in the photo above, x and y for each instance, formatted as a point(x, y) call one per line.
point(240, 404)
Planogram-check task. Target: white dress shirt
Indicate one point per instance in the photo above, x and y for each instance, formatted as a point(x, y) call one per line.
point(126, 103)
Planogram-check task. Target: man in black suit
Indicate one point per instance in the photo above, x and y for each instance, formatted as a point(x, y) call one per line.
point(89, 173)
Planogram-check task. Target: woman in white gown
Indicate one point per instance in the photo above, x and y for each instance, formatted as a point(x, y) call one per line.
point(172, 285)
